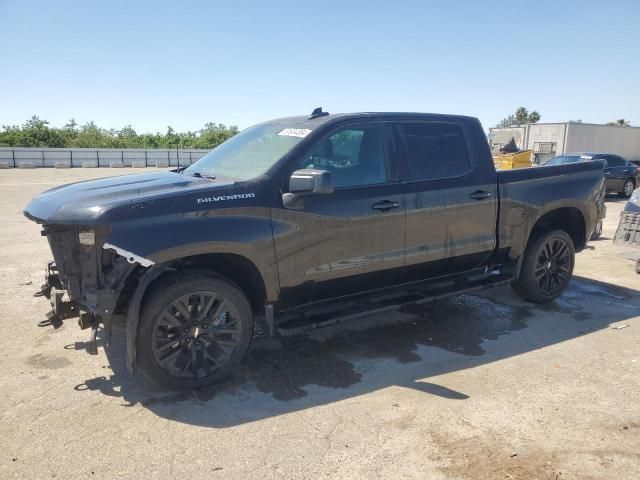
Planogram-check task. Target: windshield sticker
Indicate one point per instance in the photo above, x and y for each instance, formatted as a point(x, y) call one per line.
point(224, 198)
point(295, 132)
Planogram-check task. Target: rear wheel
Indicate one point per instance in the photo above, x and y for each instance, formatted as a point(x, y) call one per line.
point(547, 266)
point(195, 327)
point(628, 188)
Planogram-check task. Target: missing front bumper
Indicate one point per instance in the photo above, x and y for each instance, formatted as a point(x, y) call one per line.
point(62, 308)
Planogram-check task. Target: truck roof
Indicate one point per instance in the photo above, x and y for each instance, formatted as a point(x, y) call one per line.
point(318, 120)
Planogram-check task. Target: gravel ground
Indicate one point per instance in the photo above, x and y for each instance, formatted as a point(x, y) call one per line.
point(474, 387)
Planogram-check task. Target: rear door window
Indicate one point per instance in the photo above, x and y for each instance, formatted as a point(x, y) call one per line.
point(613, 161)
point(435, 150)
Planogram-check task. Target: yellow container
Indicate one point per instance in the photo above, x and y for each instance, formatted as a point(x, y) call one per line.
point(509, 161)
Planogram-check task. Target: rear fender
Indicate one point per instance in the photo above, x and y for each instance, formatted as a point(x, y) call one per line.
point(529, 217)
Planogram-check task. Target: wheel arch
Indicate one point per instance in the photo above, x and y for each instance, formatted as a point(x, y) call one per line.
point(234, 267)
point(568, 219)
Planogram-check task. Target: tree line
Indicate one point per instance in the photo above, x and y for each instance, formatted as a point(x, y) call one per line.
point(36, 132)
point(522, 116)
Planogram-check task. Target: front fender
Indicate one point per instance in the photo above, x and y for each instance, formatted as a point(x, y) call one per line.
point(241, 231)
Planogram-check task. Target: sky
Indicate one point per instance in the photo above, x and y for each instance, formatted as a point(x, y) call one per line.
point(151, 64)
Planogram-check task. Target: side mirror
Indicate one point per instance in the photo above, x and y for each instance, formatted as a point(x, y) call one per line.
point(308, 180)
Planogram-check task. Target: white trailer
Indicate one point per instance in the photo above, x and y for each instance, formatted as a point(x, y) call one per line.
point(550, 139)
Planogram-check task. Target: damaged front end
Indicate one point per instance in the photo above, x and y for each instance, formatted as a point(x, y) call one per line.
point(86, 278)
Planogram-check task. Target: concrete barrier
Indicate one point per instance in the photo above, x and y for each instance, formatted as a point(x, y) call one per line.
point(62, 165)
point(26, 165)
point(98, 157)
point(89, 164)
point(116, 164)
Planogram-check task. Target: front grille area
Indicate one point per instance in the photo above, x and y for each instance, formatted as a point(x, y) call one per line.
point(62, 244)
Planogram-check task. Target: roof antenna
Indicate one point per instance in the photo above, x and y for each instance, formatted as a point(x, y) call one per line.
point(317, 112)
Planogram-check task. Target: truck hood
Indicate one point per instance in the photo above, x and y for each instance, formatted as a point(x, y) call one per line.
point(89, 201)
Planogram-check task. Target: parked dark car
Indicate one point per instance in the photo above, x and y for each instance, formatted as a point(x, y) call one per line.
point(622, 176)
point(296, 217)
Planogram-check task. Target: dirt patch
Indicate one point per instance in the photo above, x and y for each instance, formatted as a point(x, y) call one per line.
point(482, 458)
point(48, 361)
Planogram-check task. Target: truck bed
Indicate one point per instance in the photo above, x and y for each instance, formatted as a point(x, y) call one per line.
point(527, 194)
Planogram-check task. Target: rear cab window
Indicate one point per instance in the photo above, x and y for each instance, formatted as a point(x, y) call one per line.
point(434, 150)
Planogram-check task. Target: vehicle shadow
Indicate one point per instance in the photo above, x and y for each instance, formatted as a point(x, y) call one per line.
point(403, 348)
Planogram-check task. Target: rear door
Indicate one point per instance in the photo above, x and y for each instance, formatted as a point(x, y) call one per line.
point(351, 240)
point(451, 196)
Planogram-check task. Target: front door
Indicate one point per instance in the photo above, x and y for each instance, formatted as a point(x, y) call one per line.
point(351, 240)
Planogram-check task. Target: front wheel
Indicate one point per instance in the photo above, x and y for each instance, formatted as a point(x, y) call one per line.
point(547, 267)
point(194, 328)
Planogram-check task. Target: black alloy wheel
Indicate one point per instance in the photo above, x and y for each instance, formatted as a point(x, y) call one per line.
point(547, 266)
point(194, 328)
point(553, 266)
point(196, 334)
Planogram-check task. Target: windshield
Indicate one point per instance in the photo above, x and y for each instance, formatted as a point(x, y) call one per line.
point(251, 152)
point(562, 159)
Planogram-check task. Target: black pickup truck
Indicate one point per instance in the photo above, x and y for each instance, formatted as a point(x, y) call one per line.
point(292, 216)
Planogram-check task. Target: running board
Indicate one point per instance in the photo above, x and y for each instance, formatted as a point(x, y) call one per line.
point(344, 311)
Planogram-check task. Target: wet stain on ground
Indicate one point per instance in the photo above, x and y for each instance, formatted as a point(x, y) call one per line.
point(573, 301)
point(283, 367)
point(458, 325)
point(581, 316)
point(48, 361)
point(610, 291)
point(301, 361)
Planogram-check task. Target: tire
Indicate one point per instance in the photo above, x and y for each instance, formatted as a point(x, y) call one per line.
point(597, 232)
point(628, 188)
point(195, 327)
point(547, 266)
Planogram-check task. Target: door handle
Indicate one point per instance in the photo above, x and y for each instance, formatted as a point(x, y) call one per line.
point(479, 195)
point(385, 205)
